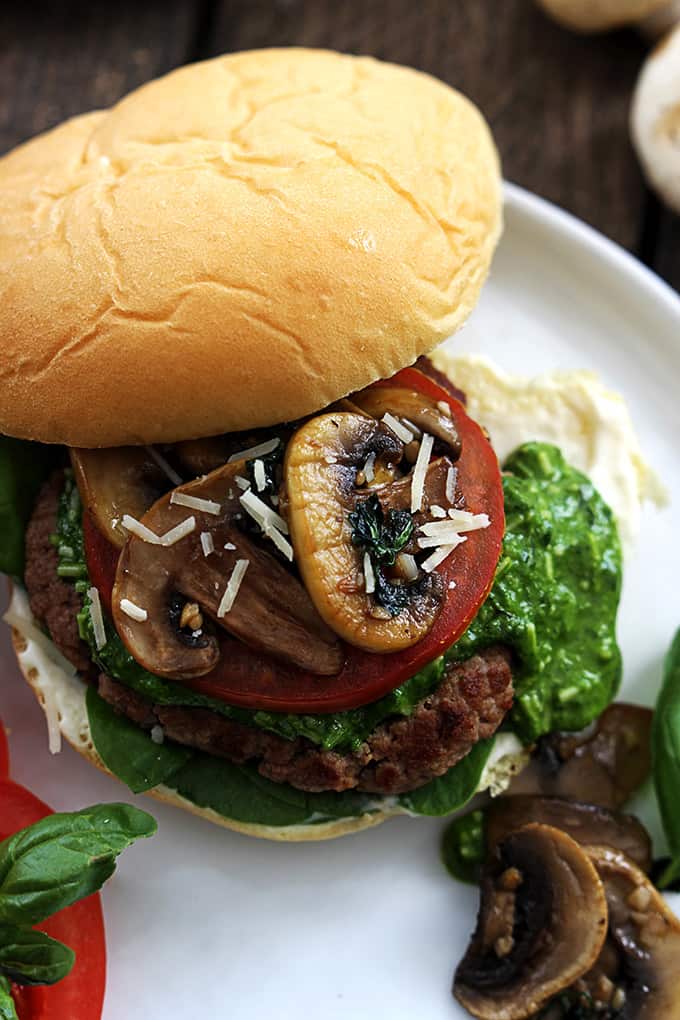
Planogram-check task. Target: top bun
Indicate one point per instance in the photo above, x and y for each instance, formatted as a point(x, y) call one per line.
point(237, 244)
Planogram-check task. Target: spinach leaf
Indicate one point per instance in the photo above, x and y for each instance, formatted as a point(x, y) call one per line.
point(383, 536)
point(7, 1008)
point(23, 468)
point(454, 789)
point(128, 751)
point(463, 847)
point(666, 759)
point(63, 858)
point(30, 957)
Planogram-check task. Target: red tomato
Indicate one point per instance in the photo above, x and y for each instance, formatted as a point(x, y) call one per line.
point(80, 995)
point(246, 678)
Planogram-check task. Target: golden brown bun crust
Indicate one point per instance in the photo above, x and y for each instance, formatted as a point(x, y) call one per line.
point(237, 244)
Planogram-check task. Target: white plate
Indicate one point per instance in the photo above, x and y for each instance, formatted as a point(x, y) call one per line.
point(204, 922)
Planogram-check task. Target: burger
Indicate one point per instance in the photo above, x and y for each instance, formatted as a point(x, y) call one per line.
point(266, 567)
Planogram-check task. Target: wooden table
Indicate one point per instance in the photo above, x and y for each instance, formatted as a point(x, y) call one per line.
point(558, 103)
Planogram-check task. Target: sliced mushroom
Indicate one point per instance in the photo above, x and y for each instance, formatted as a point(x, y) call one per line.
point(117, 481)
point(320, 469)
point(541, 925)
point(271, 613)
point(606, 762)
point(413, 408)
point(588, 824)
point(637, 975)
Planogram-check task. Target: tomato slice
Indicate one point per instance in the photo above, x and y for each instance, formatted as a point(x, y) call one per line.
point(246, 678)
point(80, 995)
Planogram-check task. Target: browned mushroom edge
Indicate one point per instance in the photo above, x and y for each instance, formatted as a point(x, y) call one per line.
point(272, 612)
point(541, 925)
point(606, 762)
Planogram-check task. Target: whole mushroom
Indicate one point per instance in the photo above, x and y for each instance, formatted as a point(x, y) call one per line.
point(602, 15)
point(655, 119)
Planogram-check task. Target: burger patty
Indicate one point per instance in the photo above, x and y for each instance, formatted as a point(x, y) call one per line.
point(399, 755)
point(53, 601)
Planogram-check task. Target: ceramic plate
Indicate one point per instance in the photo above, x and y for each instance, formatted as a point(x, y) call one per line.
point(204, 922)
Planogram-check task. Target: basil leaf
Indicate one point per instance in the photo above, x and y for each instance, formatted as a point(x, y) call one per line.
point(666, 759)
point(23, 468)
point(63, 858)
point(30, 957)
point(128, 751)
point(8, 1010)
point(455, 788)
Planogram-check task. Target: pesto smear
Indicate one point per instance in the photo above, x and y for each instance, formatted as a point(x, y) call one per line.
point(553, 601)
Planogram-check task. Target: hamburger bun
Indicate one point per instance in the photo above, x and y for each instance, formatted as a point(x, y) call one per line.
point(61, 694)
point(237, 244)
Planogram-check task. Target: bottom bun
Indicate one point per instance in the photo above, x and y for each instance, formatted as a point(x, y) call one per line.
point(60, 692)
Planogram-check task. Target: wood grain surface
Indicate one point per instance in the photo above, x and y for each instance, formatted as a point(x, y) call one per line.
point(557, 103)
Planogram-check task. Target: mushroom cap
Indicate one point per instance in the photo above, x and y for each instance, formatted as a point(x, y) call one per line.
point(655, 119)
point(599, 15)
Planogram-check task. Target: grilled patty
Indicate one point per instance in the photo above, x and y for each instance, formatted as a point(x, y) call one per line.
point(399, 755)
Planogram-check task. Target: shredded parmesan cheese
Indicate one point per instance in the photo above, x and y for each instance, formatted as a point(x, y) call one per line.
point(420, 472)
point(451, 475)
point(135, 527)
point(230, 546)
point(233, 585)
point(97, 618)
point(242, 483)
point(52, 716)
point(164, 466)
point(444, 408)
point(207, 543)
point(400, 431)
point(369, 574)
point(450, 538)
point(260, 476)
point(408, 566)
point(205, 506)
point(261, 450)
point(438, 511)
point(133, 611)
point(465, 521)
point(281, 542)
point(437, 557)
point(180, 530)
point(369, 468)
point(260, 512)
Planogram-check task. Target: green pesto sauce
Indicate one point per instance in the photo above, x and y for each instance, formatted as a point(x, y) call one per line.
point(553, 601)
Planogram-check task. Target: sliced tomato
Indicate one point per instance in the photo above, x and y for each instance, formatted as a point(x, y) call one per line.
point(80, 995)
point(246, 678)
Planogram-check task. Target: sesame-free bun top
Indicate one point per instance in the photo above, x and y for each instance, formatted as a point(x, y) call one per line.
point(237, 244)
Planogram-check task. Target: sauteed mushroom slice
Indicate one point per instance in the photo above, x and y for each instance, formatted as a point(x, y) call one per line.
point(588, 824)
point(117, 481)
point(320, 469)
point(541, 925)
point(271, 613)
point(637, 976)
point(609, 760)
point(411, 408)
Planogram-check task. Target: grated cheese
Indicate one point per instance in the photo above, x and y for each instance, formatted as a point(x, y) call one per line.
point(452, 585)
point(135, 527)
point(452, 538)
point(400, 431)
point(437, 557)
point(261, 450)
point(444, 408)
point(260, 477)
point(230, 546)
point(134, 612)
point(164, 466)
point(97, 618)
point(205, 506)
point(369, 468)
point(233, 585)
point(369, 574)
point(438, 511)
point(408, 566)
point(451, 476)
point(260, 512)
point(465, 521)
point(207, 543)
point(242, 483)
point(420, 472)
point(52, 716)
point(281, 542)
point(180, 530)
